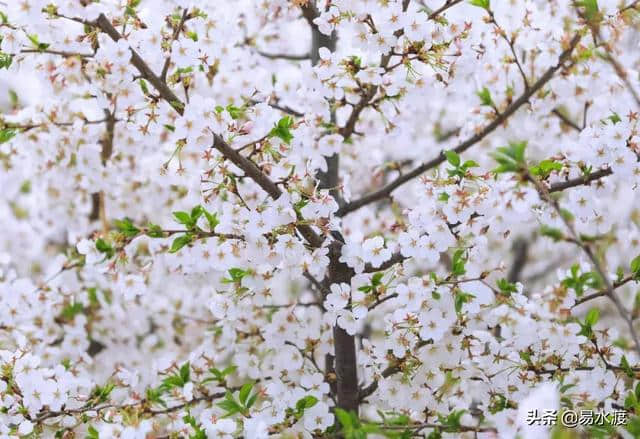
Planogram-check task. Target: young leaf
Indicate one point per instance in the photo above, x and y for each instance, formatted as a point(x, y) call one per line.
point(591, 10)
point(485, 97)
point(5, 60)
point(545, 168)
point(506, 287)
point(126, 227)
point(592, 317)
point(306, 403)
point(626, 367)
point(212, 219)
point(104, 247)
point(180, 242)
point(282, 129)
point(182, 218)
point(461, 298)
point(154, 231)
point(484, 4)
point(452, 157)
point(6, 134)
point(92, 433)
point(551, 232)
point(244, 392)
point(196, 213)
point(185, 372)
point(458, 263)
point(510, 158)
point(230, 405)
point(344, 418)
point(635, 268)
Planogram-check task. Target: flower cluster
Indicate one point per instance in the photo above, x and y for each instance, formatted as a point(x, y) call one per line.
point(318, 219)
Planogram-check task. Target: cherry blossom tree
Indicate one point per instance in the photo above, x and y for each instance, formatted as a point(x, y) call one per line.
point(319, 219)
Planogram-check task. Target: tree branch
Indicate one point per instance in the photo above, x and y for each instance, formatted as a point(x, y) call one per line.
point(580, 181)
point(103, 23)
point(510, 110)
point(250, 168)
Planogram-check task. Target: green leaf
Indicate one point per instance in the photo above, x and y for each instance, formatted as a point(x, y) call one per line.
point(199, 432)
point(101, 393)
point(180, 242)
point(526, 357)
point(196, 213)
point(566, 387)
point(212, 219)
point(282, 129)
point(13, 98)
point(630, 401)
point(36, 42)
point(5, 60)
point(144, 87)
point(126, 227)
point(458, 263)
point(235, 112)
point(182, 218)
point(103, 247)
point(590, 320)
point(185, 372)
point(376, 279)
point(443, 196)
point(592, 317)
point(497, 403)
point(92, 293)
point(591, 10)
point(252, 400)
point(171, 382)
point(70, 311)
point(484, 4)
point(245, 390)
point(452, 157)
point(551, 232)
point(221, 374)
point(154, 231)
point(635, 268)
point(461, 298)
point(154, 396)
point(6, 135)
point(306, 403)
point(626, 367)
point(506, 287)
point(451, 423)
point(580, 281)
point(545, 168)
point(236, 275)
point(92, 433)
point(230, 405)
point(485, 97)
point(344, 418)
point(510, 158)
point(614, 118)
